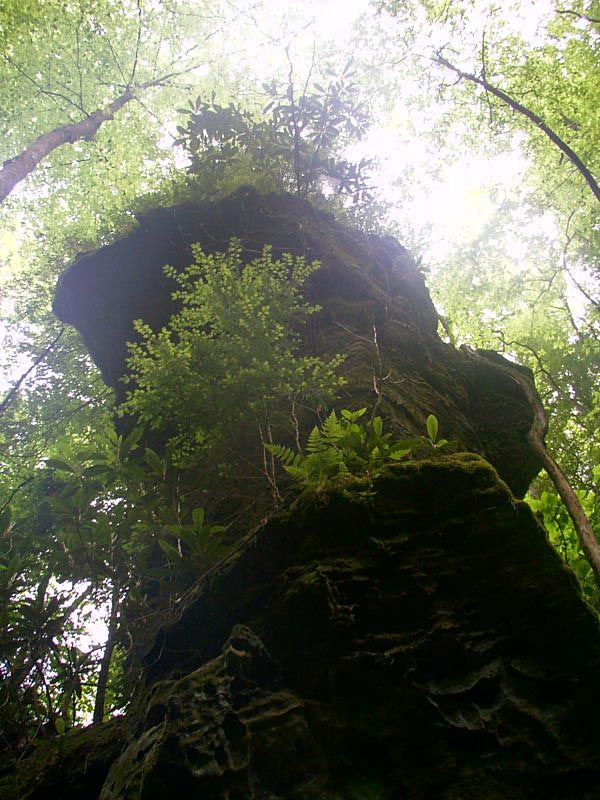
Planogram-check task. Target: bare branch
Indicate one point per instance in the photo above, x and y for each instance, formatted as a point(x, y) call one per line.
point(484, 75)
point(531, 116)
point(15, 491)
point(137, 44)
point(13, 392)
point(593, 20)
point(57, 96)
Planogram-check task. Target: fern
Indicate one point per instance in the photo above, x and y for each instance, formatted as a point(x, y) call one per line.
point(286, 455)
point(348, 446)
point(316, 442)
point(333, 429)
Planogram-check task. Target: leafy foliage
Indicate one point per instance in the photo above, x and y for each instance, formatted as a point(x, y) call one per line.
point(227, 363)
point(97, 539)
point(563, 536)
point(296, 144)
point(90, 520)
point(348, 447)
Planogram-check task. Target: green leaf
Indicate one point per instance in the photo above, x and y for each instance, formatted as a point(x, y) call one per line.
point(59, 725)
point(171, 551)
point(198, 518)
point(432, 427)
point(153, 460)
point(97, 469)
point(216, 529)
point(353, 416)
point(130, 442)
point(58, 463)
point(399, 454)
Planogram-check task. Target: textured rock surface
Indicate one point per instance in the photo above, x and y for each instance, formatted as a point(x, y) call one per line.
point(427, 642)
point(70, 768)
point(416, 639)
point(376, 311)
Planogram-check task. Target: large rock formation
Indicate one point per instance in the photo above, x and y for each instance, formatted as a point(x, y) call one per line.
point(414, 637)
point(376, 311)
point(421, 642)
point(417, 638)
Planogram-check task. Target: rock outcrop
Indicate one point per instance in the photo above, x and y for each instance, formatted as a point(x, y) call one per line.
point(415, 638)
point(376, 310)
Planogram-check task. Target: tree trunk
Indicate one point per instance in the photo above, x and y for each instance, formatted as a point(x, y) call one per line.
point(583, 528)
point(111, 640)
point(16, 169)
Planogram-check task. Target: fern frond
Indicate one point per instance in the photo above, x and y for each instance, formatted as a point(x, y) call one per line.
point(332, 429)
point(298, 473)
point(316, 442)
point(286, 455)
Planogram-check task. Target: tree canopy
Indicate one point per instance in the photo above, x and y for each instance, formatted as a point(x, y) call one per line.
point(467, 130)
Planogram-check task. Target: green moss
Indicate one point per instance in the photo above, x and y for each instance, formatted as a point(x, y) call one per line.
point(69, 767)
point(366, 789)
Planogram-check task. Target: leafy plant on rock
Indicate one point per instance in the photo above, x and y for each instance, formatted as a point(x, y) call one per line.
point(348, 447)
point(296, 144)
point(227, 367)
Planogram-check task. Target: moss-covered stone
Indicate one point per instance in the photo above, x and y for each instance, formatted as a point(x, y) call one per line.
point(424, 641)
point(419, 641)
point(408, 636)
point(70, 767)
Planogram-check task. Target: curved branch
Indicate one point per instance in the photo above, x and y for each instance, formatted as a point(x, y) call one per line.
point(583, 528)
point(531, 116)
point(577, 15)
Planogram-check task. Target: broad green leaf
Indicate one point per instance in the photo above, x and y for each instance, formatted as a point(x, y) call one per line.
point(432, 427)
point(198, 518)
point(58, 463)
point(99, 469)
point(168, 548)
point(378, 426)
point(153, 460)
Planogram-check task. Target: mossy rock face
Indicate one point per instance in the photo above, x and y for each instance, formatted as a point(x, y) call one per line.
point(413, 638)
point(70, 767)
point(376, 310)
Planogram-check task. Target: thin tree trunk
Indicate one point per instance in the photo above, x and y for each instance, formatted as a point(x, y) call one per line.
point(583, 528)
point(531, 116)
point(16, 169)
point(111, 640)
